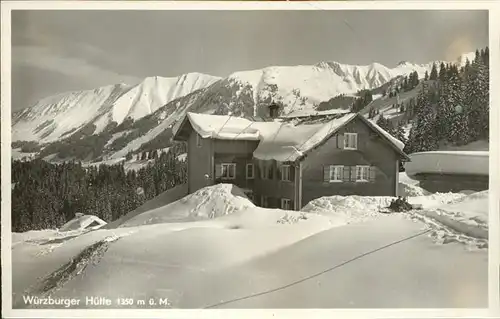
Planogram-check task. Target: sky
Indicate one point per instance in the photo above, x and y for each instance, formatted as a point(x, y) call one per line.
point(60, 51)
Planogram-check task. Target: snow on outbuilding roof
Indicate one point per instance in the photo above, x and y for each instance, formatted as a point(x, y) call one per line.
point(448, 162)
point(81, 222)
point(285, 140)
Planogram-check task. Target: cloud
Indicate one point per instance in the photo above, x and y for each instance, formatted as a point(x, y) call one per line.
point(66, 64)
point(458, 46)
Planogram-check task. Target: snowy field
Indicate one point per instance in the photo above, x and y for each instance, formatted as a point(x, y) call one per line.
point(216, 249)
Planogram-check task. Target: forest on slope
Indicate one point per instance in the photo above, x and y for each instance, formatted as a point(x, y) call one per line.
point(452, 107)
point(46, 196)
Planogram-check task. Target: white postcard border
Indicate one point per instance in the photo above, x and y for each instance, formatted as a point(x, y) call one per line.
point(494, 199)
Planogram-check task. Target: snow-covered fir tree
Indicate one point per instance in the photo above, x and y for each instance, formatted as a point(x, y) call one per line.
point(422, 135)
point(455, 109)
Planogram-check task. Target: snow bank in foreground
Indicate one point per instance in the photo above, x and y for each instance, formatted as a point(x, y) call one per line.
point(360, 208)
point(348, 209)
point(206, 203)
point(472, 207)
point(409, 187)
point(467, 215)
point(200, 267)
point(216, 237)
point(408, 190)
point(33, 235)
point(464, 220)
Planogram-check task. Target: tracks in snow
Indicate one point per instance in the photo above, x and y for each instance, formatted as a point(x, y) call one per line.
point(446, 230)
point(75, 267)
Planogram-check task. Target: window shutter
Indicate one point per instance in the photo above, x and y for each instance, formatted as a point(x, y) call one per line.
point(233, 169)
point(326, 173)
point(218, 170)
point(341, 173)
point(279, 171)
point(292, 207)
point(373, 173)
point(340, 140)
point(353, 173)
point(262, 169)
point(346, 172)
point(355, 141)
point(292, 173)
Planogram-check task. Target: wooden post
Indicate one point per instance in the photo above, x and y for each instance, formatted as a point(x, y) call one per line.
point(396, 191)
point(298, 186)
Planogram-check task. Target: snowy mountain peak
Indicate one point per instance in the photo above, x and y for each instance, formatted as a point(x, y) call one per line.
point(54, 117)
point(462, 59)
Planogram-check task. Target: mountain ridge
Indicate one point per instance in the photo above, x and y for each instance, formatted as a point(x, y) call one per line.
point(157, 103)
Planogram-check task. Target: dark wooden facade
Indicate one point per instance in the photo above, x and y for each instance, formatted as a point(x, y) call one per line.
point(306, 177)
point(371, 151)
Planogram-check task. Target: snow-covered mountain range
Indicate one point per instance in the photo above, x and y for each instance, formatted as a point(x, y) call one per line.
point(163, 101)
point(57, 116)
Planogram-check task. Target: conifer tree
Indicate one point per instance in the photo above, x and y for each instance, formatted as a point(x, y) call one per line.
point(434, 72)
point(442, 72)
point(422, 137)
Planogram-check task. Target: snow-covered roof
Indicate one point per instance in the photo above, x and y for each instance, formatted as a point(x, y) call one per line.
point(286, 142)
point(394, 140)
point(448, 162)
point(280, 140)
point(306, 113)
point(224, 127)
point(81, 222)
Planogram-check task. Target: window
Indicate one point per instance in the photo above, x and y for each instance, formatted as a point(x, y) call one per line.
point(362, 173)
point(350, 141)
point(286, 204)
point(285, 173)
point(336, 173)
point(250, 171)
point(228, 171)
point(267, 171)
point(198, 140)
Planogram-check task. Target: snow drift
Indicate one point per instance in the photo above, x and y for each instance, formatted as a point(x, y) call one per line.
point(206, 203)
point(234, 268)
point(82, 222)
point(216, 237)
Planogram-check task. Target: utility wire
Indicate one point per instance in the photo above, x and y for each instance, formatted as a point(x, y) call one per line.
point(317, 274)
point(220, 129)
